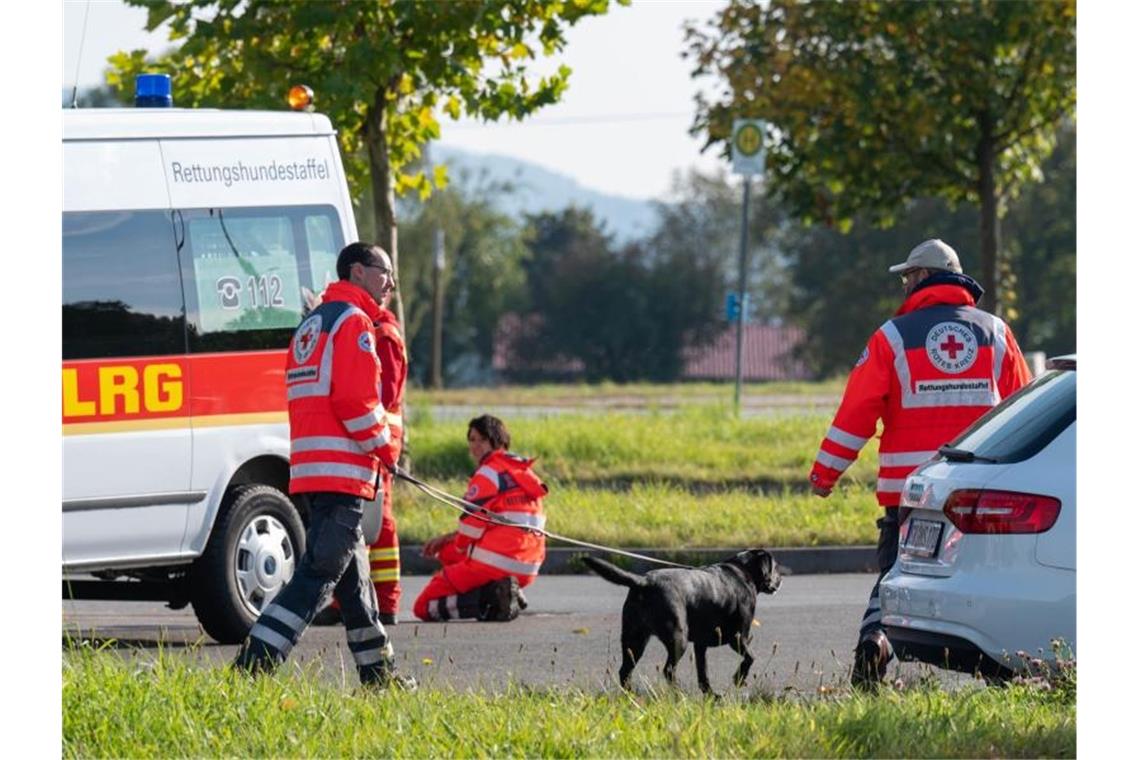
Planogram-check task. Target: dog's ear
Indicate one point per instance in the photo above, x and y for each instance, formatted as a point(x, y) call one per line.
point(766, 572)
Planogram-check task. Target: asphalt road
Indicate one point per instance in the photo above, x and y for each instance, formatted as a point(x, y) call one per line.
point(569, 636)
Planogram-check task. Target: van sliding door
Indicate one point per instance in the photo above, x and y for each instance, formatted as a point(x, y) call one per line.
point(126, 430)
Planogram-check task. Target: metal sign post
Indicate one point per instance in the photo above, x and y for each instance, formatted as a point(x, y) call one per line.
point(747, 160)
point(437, 313)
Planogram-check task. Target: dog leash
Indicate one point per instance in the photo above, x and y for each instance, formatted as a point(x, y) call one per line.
point(474, 510)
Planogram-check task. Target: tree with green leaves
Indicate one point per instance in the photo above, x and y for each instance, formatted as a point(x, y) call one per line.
point(873, 104)
point(624, 313)
point(381, 71)
point(483, 278)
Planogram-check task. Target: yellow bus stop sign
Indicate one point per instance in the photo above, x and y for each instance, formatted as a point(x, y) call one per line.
point(748, 146)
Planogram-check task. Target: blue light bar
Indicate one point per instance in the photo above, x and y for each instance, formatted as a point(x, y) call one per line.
point(153, 91)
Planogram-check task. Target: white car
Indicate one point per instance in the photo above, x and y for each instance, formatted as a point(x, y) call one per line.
point(987, 564)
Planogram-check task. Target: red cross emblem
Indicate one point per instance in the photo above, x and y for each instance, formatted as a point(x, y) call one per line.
point(952, 347)
point(305, 339)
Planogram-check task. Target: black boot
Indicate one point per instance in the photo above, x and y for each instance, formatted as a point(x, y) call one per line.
point(872, 655)
point(499, 600)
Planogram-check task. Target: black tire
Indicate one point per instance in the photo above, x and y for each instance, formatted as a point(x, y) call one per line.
point(255, 546)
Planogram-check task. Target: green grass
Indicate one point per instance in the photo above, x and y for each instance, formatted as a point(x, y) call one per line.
point(696, 477)
point(666, 515)
point(167, 708)
point(621, 393)
point(696, 445)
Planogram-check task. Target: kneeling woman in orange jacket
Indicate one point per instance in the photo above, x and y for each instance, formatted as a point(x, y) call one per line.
point(484, 564)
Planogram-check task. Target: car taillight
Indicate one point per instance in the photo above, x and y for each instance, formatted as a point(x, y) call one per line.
point(979, 511)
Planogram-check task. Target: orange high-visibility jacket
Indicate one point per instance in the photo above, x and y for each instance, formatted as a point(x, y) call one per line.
point(927, 373)
point(505, 485)
point(393, 355)
point(337, 426)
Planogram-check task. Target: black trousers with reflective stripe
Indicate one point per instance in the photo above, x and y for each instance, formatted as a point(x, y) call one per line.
point(335, 561)
point(886, 553)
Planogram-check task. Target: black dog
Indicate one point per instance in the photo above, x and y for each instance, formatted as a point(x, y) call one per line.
point(708, 606)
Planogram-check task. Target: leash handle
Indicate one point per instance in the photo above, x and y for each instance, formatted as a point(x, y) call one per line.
point(481, 513)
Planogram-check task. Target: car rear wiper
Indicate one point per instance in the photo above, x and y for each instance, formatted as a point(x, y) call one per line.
point(961, 455)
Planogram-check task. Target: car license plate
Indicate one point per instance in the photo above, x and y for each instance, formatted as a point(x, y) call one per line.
point(923, 537)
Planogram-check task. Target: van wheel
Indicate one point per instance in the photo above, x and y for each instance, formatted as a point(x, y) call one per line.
point(256, 544)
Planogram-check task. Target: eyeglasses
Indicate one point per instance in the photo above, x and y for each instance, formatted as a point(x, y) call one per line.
point(381, 267)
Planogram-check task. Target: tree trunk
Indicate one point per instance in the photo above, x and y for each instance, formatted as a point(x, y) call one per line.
point(383, 194)
point(988, 222)
point(384, 213)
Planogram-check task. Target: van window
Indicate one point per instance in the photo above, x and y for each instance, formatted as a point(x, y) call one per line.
point(246, 270)
point(1026, 422)
point(323, 250)
point(121, 294)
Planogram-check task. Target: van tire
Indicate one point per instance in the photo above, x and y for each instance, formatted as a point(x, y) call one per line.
point(255, 546)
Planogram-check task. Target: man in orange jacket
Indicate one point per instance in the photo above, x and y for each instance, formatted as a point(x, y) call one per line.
point(927, 373)
point(339, 440)
point(384, 553)
point(485, 565)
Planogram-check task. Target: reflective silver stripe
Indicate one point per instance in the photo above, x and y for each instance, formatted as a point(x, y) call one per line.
point(489, 474)
point(999, 347)
point(509, 564)
point(395, 419)
point(363, 422)
point(902, 369)
point(377, 441)
point(370, 657)
point(843, 438)
point(832, 461)
point(272, 638)
point(453, 607)
point(904, 458)
point(328, 443)
point(433, 610)
point(323, 384)
point(951, 392)
point(357, 635)
point(331, 470)
point(470, 530)
point(890, 485)
point(528, 519)
point(288, 617)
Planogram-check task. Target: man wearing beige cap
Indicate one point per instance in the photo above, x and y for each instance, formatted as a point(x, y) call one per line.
point(927, 373)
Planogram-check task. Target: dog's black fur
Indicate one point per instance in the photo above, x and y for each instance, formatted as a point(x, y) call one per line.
point(708, 606)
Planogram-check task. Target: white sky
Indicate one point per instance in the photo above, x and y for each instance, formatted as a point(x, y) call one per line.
point(621, 128)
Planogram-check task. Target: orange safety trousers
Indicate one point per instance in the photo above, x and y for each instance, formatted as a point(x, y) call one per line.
point(384, 556)
point(459, 575)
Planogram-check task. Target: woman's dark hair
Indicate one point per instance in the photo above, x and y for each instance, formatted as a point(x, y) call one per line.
point(493, 429)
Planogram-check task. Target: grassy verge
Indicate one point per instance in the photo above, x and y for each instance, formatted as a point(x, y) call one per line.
point(698, 445)
point(619, 393)
point(166, 708)
point(667, 515)
point(697, 477)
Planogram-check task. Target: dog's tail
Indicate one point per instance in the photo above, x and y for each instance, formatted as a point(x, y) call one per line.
point(615, 574)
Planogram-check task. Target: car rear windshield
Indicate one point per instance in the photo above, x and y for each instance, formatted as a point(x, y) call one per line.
point(1026, 422)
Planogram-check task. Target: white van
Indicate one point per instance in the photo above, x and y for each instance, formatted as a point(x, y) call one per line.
point(188, 238)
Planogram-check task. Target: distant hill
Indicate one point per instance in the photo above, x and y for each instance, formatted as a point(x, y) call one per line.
point(538, 189)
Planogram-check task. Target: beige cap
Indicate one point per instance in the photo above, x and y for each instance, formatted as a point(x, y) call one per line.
point(930, 254)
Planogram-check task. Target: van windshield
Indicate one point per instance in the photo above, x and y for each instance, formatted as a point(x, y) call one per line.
point(1026, 422)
